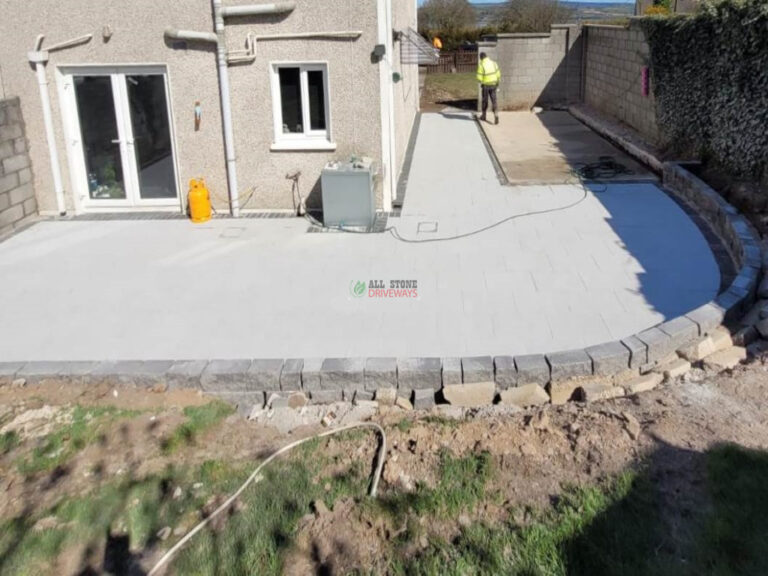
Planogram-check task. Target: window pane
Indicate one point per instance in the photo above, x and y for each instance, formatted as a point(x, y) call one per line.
point(316, 85)
point(290, 95)
point(151, 136)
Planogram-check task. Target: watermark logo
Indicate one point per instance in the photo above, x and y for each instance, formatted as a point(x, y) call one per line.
point(357, 288)
point(379, 289)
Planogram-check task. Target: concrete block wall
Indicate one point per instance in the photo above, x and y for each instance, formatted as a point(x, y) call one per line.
point(17, 193)
point(614, 61)
point(542, 69)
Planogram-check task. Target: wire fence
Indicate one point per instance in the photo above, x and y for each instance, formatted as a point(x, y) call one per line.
point(459, 61)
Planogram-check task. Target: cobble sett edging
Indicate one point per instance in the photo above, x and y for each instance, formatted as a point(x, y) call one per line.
point(593, 372)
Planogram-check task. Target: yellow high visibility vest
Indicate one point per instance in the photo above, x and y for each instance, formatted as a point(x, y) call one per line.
point(488, 73)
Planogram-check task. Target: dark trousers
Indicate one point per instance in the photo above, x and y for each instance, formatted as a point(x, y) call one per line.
point(489, 92)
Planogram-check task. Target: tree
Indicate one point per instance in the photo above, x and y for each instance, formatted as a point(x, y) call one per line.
point(440, 16)
point(532, 15)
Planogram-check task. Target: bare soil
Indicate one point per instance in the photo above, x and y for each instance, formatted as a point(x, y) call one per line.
point(535, 453)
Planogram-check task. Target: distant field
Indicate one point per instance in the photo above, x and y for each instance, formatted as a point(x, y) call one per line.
point(486, 13)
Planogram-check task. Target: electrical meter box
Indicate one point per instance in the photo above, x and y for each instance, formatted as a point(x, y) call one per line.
point(348, 194)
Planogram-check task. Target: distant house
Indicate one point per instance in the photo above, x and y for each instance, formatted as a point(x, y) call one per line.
point(136, 106)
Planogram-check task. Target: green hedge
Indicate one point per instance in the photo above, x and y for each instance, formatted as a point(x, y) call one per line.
point(710, 78)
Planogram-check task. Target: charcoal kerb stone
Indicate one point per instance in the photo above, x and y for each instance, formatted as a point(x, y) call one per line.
point(290, 377)
point(659, 344)
point(264, 374)
point(380, 373)
point(186, 373)
point(343, 374)
point(310, 373)
point(506, 372)
point(707, 317)
point(326, 396)
point(8, 370)
point(609, 358)
point(419, 373)
point(532, 369)
point(477, 369)
point(451, 371)
point(40, 369)
point(569, 364)
point(423, 399)
point(638, 351)
point(226, 375)
point(137, 372)
point(681, 330)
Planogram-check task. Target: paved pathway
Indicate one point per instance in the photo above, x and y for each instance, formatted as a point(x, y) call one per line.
point(617, 262)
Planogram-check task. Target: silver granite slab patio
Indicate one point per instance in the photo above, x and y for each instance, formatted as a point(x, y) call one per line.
point(592, 265)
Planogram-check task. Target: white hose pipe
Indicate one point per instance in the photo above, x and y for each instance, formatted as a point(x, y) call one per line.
point(254, 477)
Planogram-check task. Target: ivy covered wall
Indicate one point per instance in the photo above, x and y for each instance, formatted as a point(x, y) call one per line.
point(710, 80)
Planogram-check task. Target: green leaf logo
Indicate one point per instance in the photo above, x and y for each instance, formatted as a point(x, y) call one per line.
point(357, 289)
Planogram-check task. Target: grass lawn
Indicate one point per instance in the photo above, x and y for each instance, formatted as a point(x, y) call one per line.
point(615, 527)
point(451, 88)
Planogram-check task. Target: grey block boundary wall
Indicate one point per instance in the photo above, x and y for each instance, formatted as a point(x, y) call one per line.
point(18, 205)
point(250, 383)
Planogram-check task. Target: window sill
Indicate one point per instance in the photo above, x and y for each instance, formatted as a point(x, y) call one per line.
point(304, 145)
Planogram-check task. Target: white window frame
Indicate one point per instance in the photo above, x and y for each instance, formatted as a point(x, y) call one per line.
point(309, 139)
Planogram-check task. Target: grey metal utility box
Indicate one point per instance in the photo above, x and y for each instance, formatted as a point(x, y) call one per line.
point(348, 195)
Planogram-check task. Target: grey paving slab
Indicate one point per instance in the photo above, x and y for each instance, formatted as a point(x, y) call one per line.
point(587, 268)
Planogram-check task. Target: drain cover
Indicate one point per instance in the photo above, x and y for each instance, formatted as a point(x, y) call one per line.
point(426, 228)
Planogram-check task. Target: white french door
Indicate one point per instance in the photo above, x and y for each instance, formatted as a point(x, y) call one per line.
point(120, 137)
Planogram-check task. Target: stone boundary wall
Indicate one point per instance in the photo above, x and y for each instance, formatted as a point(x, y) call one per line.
point(538, 69)
point(17, 193)
point(613, 66)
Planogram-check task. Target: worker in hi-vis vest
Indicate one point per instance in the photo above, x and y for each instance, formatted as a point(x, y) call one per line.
point(489, 75)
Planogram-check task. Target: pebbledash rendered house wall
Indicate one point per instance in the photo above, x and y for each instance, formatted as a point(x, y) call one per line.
point(137, 38)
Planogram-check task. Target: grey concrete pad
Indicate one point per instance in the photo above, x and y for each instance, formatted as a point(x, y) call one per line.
point(290, 377)
point(380, 373)
point(609, 358)
point(586, 268)
point(547, 147)
point(264, 374)
point(451, 371)
point(532, 369)
point(569, 364)
point(505, 372)
point(346, 374)
point(477, 369)
point(226, 375)
point(419, 373)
